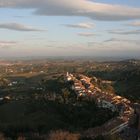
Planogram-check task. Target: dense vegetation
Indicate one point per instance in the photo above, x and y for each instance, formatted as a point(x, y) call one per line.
point(42, 116)
point(53, 108)
point(128, 84)
point(43, 103)
point(126, 80)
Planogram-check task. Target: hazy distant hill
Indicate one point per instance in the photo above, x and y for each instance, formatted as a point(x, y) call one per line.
point(128, 84)
point(126, 75)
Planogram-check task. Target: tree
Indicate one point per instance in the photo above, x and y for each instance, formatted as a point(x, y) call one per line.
point(65, 94)
point(63, 135)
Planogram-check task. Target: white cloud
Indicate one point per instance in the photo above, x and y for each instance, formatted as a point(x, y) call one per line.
point(7, 44)
point(134, 24)
point(123, 32)
point(86, 34)
point(93, 10)
point(81, 25)
point(17, 27)
point(117, 40)
point(116, 44)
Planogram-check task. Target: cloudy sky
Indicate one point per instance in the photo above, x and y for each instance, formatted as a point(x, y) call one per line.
point(69, 28)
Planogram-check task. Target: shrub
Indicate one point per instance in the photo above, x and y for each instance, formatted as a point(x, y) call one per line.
point(63, 135)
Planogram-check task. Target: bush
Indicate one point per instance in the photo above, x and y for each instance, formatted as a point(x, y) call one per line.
point(63, 135)
point(2, 136)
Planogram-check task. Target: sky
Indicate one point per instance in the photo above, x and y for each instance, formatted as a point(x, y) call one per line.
point(98, 28)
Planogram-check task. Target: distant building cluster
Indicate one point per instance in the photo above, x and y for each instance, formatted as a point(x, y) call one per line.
point(83, 87)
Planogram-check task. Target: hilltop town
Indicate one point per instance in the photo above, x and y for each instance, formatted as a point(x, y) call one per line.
point(84, 99)
point(126, 109)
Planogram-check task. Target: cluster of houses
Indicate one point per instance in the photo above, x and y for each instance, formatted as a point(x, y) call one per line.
point(83, 87)
point(114, 103)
